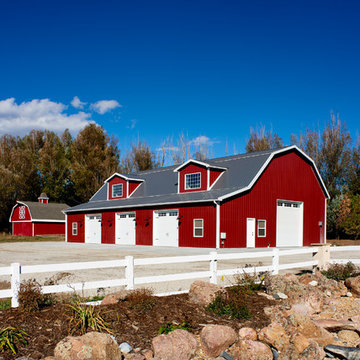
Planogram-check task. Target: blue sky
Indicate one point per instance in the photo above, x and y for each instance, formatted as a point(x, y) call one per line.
point(205, 68)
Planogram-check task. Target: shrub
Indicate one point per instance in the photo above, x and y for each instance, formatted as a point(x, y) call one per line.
point(341, 272)
point(86, 317)
point(141, 299)
point(31, 297)
point(250, 282)
point(10, 336)
point(168, 327)
point(232, 303)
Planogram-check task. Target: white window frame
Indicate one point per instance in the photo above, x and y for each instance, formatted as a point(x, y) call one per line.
point(122, 190)
point(198, 227)
point(193, 188)
point(258, 228)
point(75, 228)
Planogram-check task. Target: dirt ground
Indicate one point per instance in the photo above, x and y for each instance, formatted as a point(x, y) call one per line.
point(136, 326)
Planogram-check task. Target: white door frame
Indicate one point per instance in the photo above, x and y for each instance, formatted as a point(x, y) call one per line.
point(250, 232)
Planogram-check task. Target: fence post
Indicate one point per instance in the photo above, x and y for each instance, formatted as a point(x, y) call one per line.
point(213, 267)
point(322, 256)
point(275, 261)
point(129, 272)
point(15, 283)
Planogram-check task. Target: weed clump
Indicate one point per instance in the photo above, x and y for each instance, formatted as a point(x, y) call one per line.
point(84, 318)
point(341, 272)
point(141, 299)
point(30, 296)
point(10, 336)
point(168, 327)
point(231, 302)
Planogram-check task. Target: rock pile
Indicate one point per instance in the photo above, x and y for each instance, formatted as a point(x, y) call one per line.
point(315, 318)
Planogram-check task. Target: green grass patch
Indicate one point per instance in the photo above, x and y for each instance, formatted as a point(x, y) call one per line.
point(168, 327)
point(10, 337)
point(5, 304)
point(6, 238)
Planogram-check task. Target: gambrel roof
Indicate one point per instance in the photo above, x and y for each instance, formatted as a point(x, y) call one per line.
point(43, 212)
point(160, 186)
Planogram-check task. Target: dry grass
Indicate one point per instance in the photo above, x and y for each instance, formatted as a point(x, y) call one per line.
point(8, 238)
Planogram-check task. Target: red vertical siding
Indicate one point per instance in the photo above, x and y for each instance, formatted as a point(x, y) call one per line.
point(214, 175)
point(22, 228)
point(133, 185)
point(288, 177)
point(15, 215)
point(191, 168)
point(117, 180)
point(49, 228)
point(108, 228)
point(144, 226)
point(80, 219)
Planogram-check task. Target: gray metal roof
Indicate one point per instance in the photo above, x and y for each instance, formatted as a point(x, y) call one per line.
point(161, 185)
point(50, 211)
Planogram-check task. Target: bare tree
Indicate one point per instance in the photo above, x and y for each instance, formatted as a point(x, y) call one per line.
point(261, 139)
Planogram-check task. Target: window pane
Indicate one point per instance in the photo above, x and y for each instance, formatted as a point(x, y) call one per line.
point(192, 181)
point(198, 223)
point(261, 232)
point(261, 224)
point(117, 190)
point(199, 232)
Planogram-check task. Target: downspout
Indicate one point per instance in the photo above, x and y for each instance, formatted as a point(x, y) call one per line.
point(217, 204)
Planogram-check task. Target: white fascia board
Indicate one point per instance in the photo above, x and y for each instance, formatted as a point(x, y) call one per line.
point(265, 166)
point(124, 177)
point(48, 220)
point(142, 205)
point(198, 163)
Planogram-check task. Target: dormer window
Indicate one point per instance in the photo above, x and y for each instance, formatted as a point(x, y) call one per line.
point(117, 190)
point(192, 181)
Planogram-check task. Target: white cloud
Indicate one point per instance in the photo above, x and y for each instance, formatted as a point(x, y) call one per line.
point(201, 140)
point(103, 106)
point(76, 103)
point(19, 119)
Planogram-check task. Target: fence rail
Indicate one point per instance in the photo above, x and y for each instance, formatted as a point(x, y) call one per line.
point(129, 263)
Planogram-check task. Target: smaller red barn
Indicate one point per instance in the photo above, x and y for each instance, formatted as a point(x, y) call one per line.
point(30, 218)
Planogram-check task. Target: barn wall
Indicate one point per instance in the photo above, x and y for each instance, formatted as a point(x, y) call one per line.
point(214, 174)
point(288, 177)
point(22, 228)
point(133, 185)
point(80, 219)
point(191, 168)
point(15, 216)
point(49, 228)
point(108, 227)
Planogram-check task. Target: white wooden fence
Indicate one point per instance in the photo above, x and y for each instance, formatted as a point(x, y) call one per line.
point(129, 263)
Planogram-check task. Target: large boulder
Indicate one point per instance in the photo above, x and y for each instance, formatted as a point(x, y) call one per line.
point(179, 344)
point(216, 338)
point(115, 297)
point(250, 350)
point(353, 283)
point(247, 333)
point(91, 346)
point(336, 325)
point(203, 293)
point(275, 335)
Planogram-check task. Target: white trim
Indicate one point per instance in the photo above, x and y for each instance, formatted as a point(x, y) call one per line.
point(325, 217)
point(201, 163)
point(217, 203)
point(202, 228)
point(76, 228)
point(21, 221)
point(208, 179)
point(108, 191)
point(33, 231)
point(212, 185)
point(48, 220)
point(257, 228)
point(122, 176)
point(66, 229)
point(127, 189)
point(265, 166)
point(185, 185)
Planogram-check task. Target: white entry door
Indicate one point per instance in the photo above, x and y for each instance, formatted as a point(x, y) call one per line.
point(125, 229)
point(289, 223)
point(166, 228)
point(93, 229)
point(250, 232)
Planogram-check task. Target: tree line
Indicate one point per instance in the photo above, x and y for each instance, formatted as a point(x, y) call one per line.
point(71, 170)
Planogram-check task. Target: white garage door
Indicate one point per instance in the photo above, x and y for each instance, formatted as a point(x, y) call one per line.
point(93, 229)
point(289, 228)
point(166, 228)
point(125, 229)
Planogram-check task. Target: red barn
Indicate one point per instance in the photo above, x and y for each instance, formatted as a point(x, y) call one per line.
point(29, 218)
point(268, 198)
